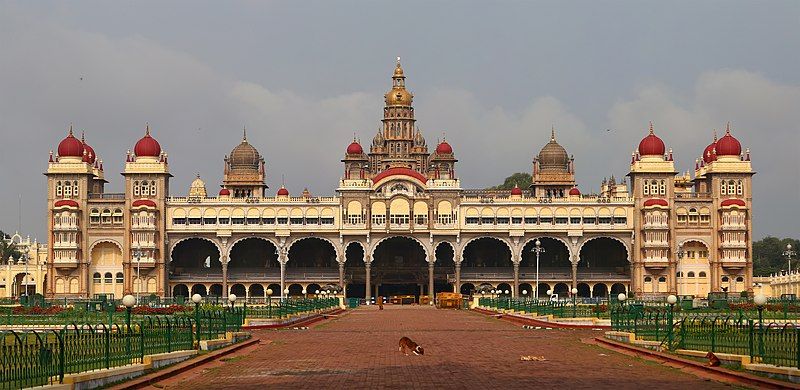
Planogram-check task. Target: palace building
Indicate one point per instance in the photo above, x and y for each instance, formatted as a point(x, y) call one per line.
point(400, 222)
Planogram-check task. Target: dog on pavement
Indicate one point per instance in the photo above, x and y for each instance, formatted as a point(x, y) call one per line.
point(406, 344)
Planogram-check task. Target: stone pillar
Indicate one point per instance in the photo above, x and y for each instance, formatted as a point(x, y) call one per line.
point(283, 279)
point(574, 276)
point(671, 278)
point(341, 275)
point(515, 287)
point(458, 278)
point(430, 280)
point(224, 276)
point(368, 285)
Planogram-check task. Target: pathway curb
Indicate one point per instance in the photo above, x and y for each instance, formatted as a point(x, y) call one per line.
point(532, 321)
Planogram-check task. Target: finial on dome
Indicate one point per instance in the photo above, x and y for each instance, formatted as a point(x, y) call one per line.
point(715, 135)
point(83, 136)
point(728, 128)
point(651, 127)
point(398, 61)
point(198, 175)
point(70, 129)
point(147, 128)
point(552, 133)
point(244, 134)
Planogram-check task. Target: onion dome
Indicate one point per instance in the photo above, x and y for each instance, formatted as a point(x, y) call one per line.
point(283, 191)
point(710, 152)
point(651, 145)
point(728, 145)
point(147, 146)
point(355, 148)
point(306, 193)
point(244, 155)
point(553, 157)
point(516, 191)
point(90, 154)
point(444, 148)
point(70, 146)
point(574, 191)
point(398, 95)
point(224, 192)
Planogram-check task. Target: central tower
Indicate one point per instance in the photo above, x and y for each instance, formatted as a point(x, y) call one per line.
point(398, 142)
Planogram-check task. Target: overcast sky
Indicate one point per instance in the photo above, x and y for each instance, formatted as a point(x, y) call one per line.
point(304, 76)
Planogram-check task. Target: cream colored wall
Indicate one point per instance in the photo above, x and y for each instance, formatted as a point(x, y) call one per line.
point(694, 262)
point(106, 259)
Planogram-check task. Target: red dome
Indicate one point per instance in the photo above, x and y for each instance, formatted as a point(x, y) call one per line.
point(651, 145)
point(444, 148)
point(399, 171)
point(143, 203)
point(516, 190)
point(70, 146)
point(224, 192)
point(283, 191)
point(355, 148)
point(89, 153)
point(728, 145)
point(574, 191)
point(147, 146)
point(710, 153)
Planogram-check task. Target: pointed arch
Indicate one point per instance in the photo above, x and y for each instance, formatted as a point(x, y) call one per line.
point(624, 245)
point(174, 244)
point(378, 243)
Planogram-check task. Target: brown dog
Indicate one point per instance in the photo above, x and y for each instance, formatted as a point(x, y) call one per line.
point(713, 360)
point(407, 345)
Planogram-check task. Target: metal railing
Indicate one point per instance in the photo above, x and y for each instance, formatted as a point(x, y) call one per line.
point(543, 307)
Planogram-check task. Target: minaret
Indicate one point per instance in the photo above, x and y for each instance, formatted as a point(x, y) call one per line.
point(397, 144)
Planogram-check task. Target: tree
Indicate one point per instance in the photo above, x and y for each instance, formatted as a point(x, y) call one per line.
point(520, 179)
point(7, 248)
point(768, 255)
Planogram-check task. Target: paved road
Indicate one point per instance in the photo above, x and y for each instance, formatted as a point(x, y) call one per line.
point(462, 350)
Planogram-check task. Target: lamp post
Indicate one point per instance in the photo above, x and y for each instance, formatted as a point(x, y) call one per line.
point(25, 258)
point(128, 301)
point(232, 300)
point(538, 249)
point(574, 292)
point(788, 253)
point(760, 300)
point(671, 299)
point(196, 298)
point(138, 255)
point(269, 301)
point(679, 254)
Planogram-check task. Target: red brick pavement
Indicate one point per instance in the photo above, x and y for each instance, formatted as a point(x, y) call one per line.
point(462, 350)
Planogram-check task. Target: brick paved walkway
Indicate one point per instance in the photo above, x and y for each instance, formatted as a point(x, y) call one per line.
point(462, 350)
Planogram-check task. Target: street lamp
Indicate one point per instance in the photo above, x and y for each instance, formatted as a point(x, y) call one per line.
point(672, 300)
point(538, 249)
point(304, 293)
point(788, 253)
point(574, 292)
point(196, 298)
point(269, 301)
point(25, 258)
point(286, 292)
point(760, 300)
point(128, 301)
point(679, 254)
point(232, 299)
point(138, 255)
point(621, 298)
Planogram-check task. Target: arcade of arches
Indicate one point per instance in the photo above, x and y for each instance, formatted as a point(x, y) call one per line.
point(399, 265)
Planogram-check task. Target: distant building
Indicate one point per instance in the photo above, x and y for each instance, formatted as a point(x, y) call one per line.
point(401, 223)
point(26, 273)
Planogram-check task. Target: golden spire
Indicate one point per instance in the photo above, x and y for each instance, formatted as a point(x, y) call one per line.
point(728, 128)
point(244, 134)
point(651, 127)
point(552, 133)
point(147, 129)
point(715, 135)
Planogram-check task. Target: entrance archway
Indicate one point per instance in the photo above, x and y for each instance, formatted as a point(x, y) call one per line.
point(199, 289)
point(445, 265)
point(253, 255)
point(354, 270)
point(312, 255)
point(599, 290)
point(180, 290)
point(584, 291)
point(399, 267)
point(525, 290)
point(604, 255)
point(467, 289)
point(554, 262)
point(255, 291)
point(195, 257)
point(239, 290)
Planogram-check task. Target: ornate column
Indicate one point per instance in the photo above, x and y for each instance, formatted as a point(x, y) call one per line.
point(430, 280)
point(457, 287)
point(515, 287)
point(224, 275)
point(574, 275)
point(368, 289)
point(341, 275)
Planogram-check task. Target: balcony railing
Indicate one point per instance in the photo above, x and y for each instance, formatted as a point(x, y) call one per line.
point(108, 196)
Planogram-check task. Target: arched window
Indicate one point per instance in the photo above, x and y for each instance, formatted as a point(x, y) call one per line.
point(136, 191)
point(646, 188)
point(739, 188)
point(120, 278)
point(679, 274)
point(145, 189)
point(723, 189)
point(725, 279)
point(662, 188)
point(105, 216)
point(662, 279)
point(96, 277)
point(59, 189)
point(117, 216)
point(654, 187)
point(648, 279)
point(108, 278)
point(94, 216)
point(67, 189)
point(739, 279)
point(153, 188)
point(731, 187)
point(690, 274)
point(702, 274)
